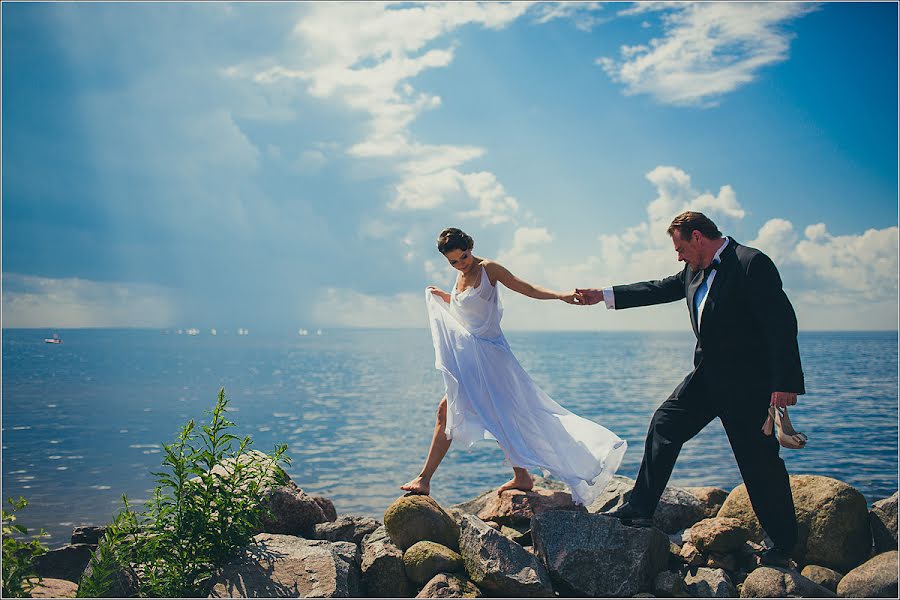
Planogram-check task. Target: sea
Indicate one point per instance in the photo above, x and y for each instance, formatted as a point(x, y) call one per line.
point(83, 421)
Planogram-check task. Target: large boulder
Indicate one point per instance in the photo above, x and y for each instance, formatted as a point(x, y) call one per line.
point(383, 574)
point(677, 508)
point(709, 583)
point(123, 582)
point(475, 505)
point(500, 566)
point(54, 588)
point(712, 498)
point(423, 560)
point(327, 507)
point(827, 578)
point(876, 578)
point(718, 535)
point(285, 566)
point(87, 534)
point(595, 555)
point(290, 511)
point(513, 507)
point(347, 528)
point(832, 519)
point(774, 582)
point(450, 585)
point(414, 518)
point(883, 519)
point(67, 562)
point(669, 584)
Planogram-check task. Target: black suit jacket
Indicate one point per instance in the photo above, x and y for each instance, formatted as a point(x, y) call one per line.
point(747, 339)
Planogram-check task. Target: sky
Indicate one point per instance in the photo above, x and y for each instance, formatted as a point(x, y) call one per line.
point(281, 166)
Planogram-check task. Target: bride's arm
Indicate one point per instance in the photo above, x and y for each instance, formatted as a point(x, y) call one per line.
point(498, 272)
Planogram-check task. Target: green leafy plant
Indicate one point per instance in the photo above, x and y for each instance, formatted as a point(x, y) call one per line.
point(207, 505)
point(18, 575)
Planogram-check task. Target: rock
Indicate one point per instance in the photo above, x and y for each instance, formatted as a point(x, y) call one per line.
point(832, 519)
point(257, 463)
point(281, 566)
point(709, 583)
point(677, 509)
point(712, 498)
point(883, 520)
point(669, 584)
point(875, 578)
point(414, 518)
point(520, 534)
point(823, 576)
point(644, 595)
point(87, 534)
point(690, 555)
point(66, 563)
point(449, 585)
point(718, 534)
point(595, 555)
point(348, 528)
point(775, 582)
point(726, 562)
point(383, 574)
point(293, 511)
point(423, 560)
point(474, 506)
point(516, 507)
point(327, 507)
point(124, 582)
point(54, 588)
point(498, 565)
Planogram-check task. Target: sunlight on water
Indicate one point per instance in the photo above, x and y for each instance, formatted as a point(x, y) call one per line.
point(357, 410)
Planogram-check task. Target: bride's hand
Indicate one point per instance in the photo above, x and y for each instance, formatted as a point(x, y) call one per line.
point(573, 298)
point(440, 293)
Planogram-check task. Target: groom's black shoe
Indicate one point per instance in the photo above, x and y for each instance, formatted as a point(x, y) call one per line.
point(630, 516)
point(775, 557)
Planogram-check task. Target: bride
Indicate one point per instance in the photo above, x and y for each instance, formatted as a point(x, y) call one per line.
point(490, 396)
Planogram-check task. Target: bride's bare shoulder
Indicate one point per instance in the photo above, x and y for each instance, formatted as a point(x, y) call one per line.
point(493, 269)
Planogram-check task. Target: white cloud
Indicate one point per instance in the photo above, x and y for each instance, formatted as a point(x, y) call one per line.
point(30, 301)
point(709, 49)
point(582, 14)
point(342, 307)
point(310, 161)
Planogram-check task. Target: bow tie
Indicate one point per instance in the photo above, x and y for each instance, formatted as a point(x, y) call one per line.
point(712, 267)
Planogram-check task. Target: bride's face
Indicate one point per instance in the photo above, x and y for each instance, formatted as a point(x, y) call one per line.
point(461, 260)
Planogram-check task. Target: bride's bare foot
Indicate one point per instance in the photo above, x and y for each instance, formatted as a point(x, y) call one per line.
point(522, 481)
point(417, 486)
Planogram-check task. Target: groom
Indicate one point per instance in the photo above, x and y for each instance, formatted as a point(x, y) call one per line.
point(746, 358)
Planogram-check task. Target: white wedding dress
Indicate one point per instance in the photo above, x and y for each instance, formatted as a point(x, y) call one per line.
point(490, 396)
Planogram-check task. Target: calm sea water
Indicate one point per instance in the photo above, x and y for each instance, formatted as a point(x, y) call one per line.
point(83, 420)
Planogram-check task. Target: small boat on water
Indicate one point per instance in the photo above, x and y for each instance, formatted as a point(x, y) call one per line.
point(53, 340)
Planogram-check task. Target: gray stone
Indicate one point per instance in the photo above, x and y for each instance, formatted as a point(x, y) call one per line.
point(124, 582)
point(450, 585)
point(423, 560)
point(883, 520)
point(327, 507)
point(383, 574)
point(87, 534)
point(498, 565)
point(351, 554)
point(66, 563)
point(292, 511)
point(709, 583)
point(776, 582)
point(413, 518)
point(595, 555)
point(669, 584)
point(827, 578)
point(875, 578)
point(832, 520)
point(347, 528)
point(285, 566)
point(677, 509)
point(712, 498)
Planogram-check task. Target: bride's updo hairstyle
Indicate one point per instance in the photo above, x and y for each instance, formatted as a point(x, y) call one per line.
point(454, 239)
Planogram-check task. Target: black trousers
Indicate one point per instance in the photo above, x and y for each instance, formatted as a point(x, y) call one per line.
point(682, 416)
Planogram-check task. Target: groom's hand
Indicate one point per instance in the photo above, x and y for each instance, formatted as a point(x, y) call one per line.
point(783, 399)
point(589, 295)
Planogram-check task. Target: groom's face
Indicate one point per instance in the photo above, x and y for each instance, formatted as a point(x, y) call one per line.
point(689, 250)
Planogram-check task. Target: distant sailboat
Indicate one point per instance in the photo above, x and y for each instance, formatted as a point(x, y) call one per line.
point(318, 332)
point(303, 332)
point(53, 340)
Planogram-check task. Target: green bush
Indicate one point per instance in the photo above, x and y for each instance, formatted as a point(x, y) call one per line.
point(206, 507)
point(18, 577)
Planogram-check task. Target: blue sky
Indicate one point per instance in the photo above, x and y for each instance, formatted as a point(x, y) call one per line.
point(285, 165)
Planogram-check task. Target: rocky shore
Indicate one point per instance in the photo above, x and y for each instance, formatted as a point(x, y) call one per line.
point(540, 544)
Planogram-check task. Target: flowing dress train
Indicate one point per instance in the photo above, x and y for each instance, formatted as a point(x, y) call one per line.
point(490, 396)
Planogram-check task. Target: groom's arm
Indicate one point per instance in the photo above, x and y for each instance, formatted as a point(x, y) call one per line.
point(778, 322)
point(646, 293)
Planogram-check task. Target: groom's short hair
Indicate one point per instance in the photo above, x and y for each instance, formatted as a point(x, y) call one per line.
point(688, 221)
